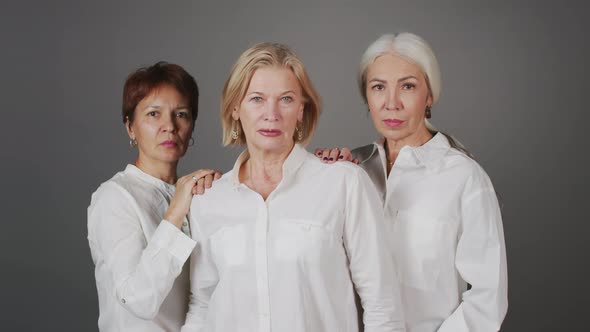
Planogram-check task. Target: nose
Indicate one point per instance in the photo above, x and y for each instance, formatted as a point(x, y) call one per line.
point(271, 111)
point(393, 102)
point(169, 124)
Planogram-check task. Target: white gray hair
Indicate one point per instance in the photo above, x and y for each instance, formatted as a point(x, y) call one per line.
point(415, 50)
point(408, 46)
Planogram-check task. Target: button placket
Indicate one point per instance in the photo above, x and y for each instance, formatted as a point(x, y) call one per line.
point(262, 267)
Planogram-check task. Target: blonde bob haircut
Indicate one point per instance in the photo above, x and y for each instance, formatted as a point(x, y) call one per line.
point(234, 90)
point(413, 49)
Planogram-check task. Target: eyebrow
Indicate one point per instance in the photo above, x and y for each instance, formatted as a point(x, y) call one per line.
point(174, 109)
point(407, 77)
point(262, 93)
point(399, 80)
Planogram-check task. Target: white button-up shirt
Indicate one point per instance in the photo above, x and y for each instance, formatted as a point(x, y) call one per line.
point(139, 257)
point(290, 263)
point(445, 230)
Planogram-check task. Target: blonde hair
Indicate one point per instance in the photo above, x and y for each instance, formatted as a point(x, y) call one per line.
point(234, 90)
point(413, 49)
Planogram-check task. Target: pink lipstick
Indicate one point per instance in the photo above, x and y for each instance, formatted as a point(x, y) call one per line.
point(393, 123)
point(270, 132)
point(169, 144)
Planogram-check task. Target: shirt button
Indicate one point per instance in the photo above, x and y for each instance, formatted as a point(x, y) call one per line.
point(185, 224)
point(123, 301)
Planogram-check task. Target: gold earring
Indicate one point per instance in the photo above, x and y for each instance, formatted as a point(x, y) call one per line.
point(132, 143)
point(299, 133)
point(235, 133)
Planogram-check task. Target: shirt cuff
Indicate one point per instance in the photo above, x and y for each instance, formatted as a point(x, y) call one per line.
point(169, 237)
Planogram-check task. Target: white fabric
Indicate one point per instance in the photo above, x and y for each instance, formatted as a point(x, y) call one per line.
point(445, 230)
point(289, 263)
point(138, 256)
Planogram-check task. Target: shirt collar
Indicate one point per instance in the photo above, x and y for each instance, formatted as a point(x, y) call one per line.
point(135, 171)
point(426, 154)
point(291, 164)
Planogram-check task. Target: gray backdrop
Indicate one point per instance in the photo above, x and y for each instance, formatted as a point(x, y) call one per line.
point(514, 91)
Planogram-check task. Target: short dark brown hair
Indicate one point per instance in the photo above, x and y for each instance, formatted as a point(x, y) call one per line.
point(145, 80)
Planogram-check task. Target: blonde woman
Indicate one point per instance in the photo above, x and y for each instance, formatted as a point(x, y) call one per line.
point(283, 240)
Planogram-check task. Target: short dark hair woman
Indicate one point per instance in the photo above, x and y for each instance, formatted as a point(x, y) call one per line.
point(137, 229)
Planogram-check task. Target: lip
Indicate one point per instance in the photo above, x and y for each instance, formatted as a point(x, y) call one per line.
point(393, 123)
point(169, 144)
point(270, 132)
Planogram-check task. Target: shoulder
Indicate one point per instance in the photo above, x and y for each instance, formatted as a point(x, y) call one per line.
point(345, 167)
point(113, 186)
point(218, 191)
point(339, 172)
point(364, 152)
point(117, 191)
point(470, 170)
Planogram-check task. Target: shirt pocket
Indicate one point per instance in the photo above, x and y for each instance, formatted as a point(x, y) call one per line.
point(303, 239)
point(228, 245)
point(418, 240)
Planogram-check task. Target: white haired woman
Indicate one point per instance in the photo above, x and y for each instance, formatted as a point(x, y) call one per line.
point(441, 210)
point(283, 239)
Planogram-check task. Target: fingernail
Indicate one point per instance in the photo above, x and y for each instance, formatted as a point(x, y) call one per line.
point(331, 159)
point(325, 158)
point(340, 157)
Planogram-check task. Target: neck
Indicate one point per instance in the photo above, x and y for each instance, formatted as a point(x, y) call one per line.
point(263, 171)
point(160, 170)
point(393, 147)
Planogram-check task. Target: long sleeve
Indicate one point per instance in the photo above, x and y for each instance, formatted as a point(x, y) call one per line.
point(140, 271)
point(204, 279)
point(371, 265)
point(481, 261)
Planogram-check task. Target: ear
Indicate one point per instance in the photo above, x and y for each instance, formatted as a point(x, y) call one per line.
point(129, 129)
point(429, 100)
point(235, 114)
point(300, 113)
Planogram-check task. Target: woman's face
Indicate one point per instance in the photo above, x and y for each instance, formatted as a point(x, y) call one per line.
point(162, 126)
point(397, 94)
point(270, 110)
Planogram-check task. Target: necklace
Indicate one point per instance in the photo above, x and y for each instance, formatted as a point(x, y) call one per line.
point(389, 163)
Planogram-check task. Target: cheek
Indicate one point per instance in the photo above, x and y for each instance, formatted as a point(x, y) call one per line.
point(185, 130)
point(374, 101)
point(144, 130)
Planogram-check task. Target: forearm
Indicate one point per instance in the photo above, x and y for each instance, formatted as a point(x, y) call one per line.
point(142, 287)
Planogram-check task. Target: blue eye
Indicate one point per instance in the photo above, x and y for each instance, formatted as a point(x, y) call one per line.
point(287, 99)
point(256, 99)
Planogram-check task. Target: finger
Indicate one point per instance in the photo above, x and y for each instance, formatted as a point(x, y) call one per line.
point(345, 155)
point(200, 186)
point(356, 161)
point(202, 172)
point(208, 180)
point(318, 152)
point(333, 157)
point(325, 155)
point(217, 175)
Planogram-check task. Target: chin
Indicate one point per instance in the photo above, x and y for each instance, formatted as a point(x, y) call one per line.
point(171, 158)
point(395, 135)
point(273, 144)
